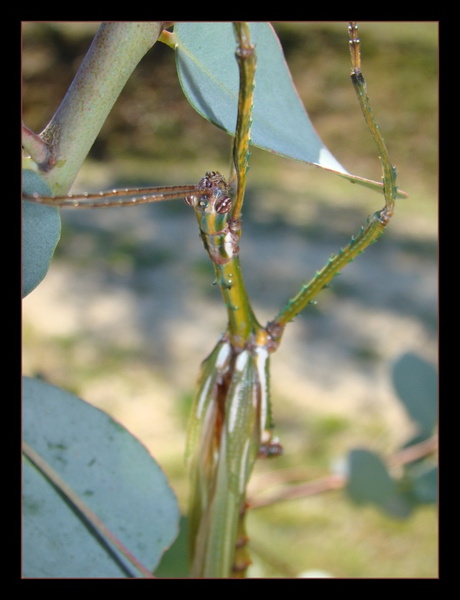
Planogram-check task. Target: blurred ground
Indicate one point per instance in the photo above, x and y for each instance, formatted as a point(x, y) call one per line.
point(127, 311)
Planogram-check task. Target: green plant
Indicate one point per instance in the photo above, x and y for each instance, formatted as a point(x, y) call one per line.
point(241, 169)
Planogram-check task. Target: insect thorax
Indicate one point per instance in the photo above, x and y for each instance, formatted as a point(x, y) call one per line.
point(212, 205)
point(212, 197)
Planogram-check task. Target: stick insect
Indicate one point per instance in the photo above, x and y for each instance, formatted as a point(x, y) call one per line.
point(230, 423)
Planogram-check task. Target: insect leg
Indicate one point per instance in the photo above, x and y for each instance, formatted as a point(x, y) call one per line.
point(375, 224)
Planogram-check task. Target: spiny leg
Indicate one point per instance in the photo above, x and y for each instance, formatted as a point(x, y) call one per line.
point(390, 189)
point(376, 223)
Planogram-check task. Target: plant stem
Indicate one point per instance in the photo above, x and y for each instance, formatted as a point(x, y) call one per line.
point(115, 51)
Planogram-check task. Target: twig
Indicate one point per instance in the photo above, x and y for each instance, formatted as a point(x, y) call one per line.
point(336, 482)
point(115, 52)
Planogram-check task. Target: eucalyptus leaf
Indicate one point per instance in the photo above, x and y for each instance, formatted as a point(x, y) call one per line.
point(425, 485)
point(416, 383)
point(175, 561)
point(370, 483)
point(107, 468)
point(41, 230)
point(208, 73)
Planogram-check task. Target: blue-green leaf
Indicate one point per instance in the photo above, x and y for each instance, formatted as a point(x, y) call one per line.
point(110, 470)
point(175, 562)
point(41, 230)
point(416, 383)
point(208, 73)
point(425, 484)
point(369, 482)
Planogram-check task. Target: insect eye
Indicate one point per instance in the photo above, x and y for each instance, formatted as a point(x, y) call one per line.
point(190, 200)
point(223, 205)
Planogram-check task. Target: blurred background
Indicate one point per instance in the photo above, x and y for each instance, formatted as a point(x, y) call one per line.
point(128, 311)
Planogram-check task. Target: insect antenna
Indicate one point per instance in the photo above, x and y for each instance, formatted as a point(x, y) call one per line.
point(119, 197)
